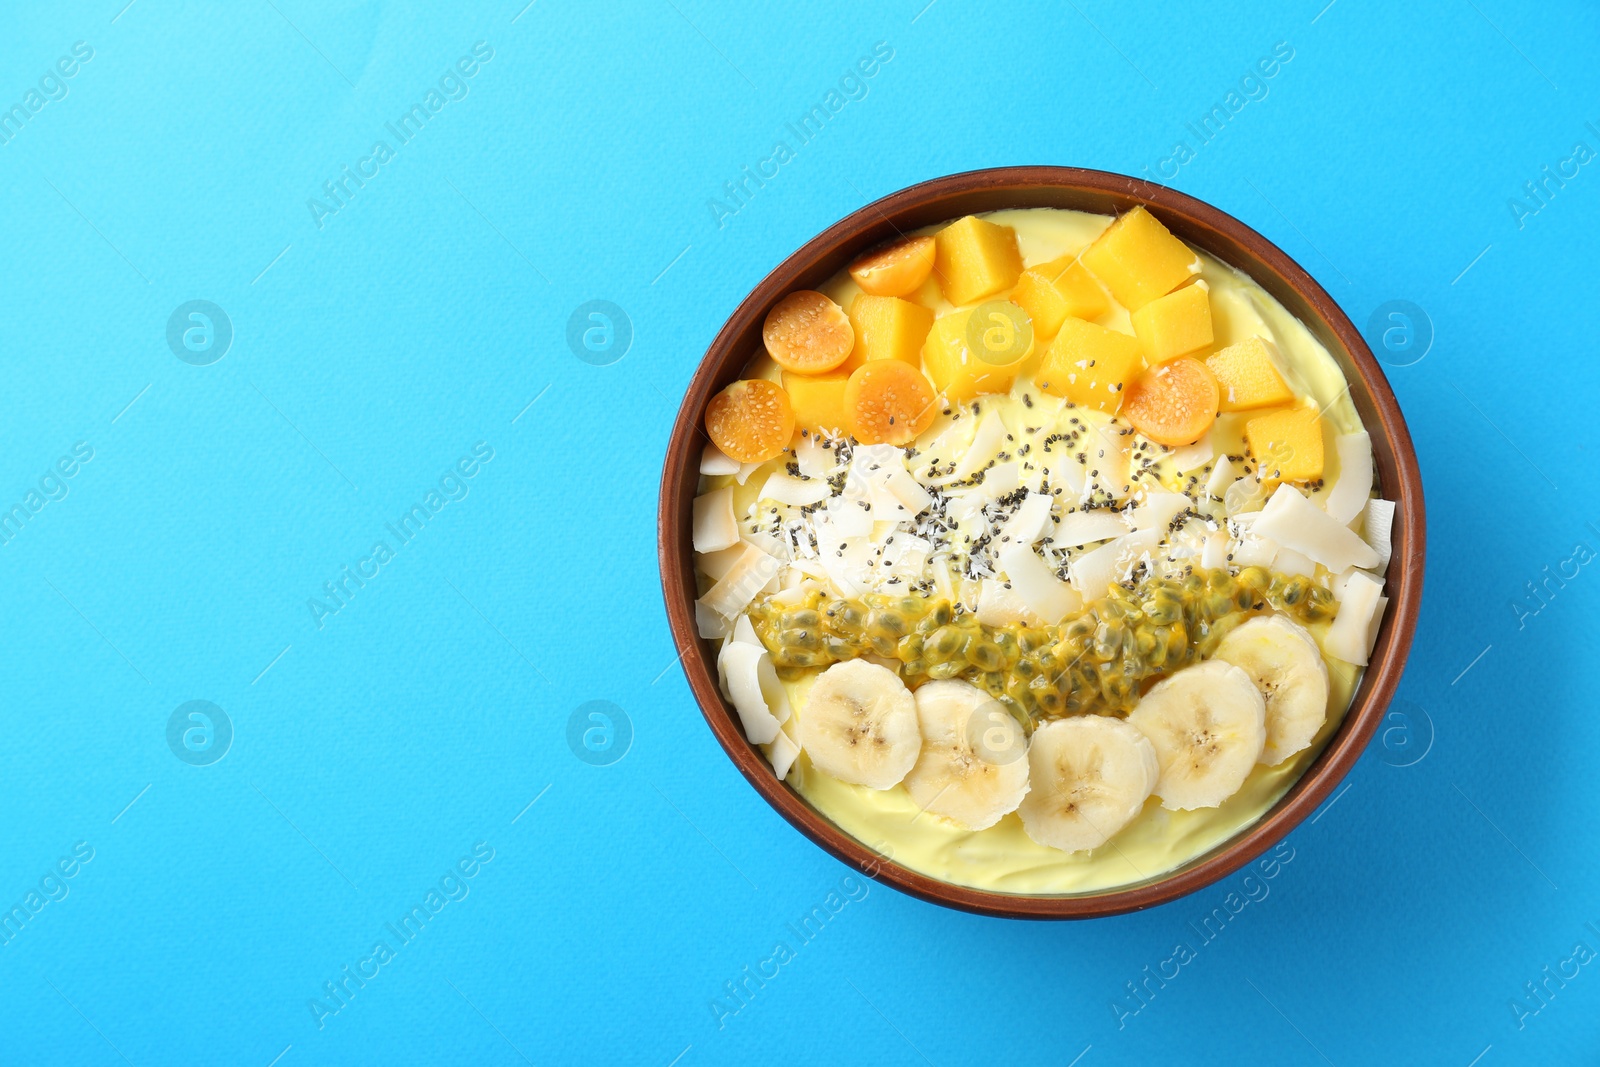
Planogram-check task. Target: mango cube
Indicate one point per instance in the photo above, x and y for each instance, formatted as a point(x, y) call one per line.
point(1176, 324)
point(1090, 365)
point(818, 401)
point(1138, 259)
point(887, 327)
point(953, 367)
point(1056, 290)
point(1085, 298)
point(1287, 445)
point(1040, 299)
point(975, 258)
point(1248, 376)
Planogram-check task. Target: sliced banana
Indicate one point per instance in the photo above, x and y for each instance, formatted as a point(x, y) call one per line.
point(972, 768)
point(860, 725)
point(1088, 776)
point(1282, 658)
point(1208, 724)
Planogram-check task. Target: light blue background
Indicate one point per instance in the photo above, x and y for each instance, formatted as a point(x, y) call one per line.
point(427, 314)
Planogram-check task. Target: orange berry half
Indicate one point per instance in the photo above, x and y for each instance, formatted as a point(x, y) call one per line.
point(888, 401)
point(752, 420)
point(896, 269)
point(1172, 403)
point(808, 333)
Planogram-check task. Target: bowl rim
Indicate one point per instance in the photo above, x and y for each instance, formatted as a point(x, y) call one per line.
point(1198, 223)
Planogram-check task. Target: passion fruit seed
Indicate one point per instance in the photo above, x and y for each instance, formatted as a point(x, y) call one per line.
point(1097, 661)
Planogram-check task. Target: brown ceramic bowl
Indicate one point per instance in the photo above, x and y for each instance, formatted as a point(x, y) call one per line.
point(1202, 226)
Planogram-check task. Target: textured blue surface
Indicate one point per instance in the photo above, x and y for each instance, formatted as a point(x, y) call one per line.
point(376, 345)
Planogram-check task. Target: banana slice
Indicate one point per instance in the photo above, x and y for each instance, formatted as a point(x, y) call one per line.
point(860, 725)
point(1284, 662)
point(972, 768)
point(1088, 777)
point(1208, 724)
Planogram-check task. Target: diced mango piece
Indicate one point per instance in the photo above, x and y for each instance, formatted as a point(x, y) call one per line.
point(1287, 445)
point(818, 401)
point(1139, 259)
point(1050, 292)
point(887, 327)
point(1249, 377)
point(1044, 304)
point(1085, 298)
point(927, 294)
point(975, 258)
point(1176, 324)
point(955, 370)
point(1090, 365)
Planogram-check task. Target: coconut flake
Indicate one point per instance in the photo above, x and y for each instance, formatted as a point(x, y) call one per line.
point(769, 544)
point(754, 689)
point(1350, 492)
point(744, 630)
point(999, 606)
point(1242, 495)
point(1106, 462)
point(713, 461)
point(794, 491)
point(781, 754)
point(1029, 522)
point(1186, 544)
point(707, 623)
point(844, 558)
point(744, 472)
point(749, 573)
point(715, 527)
point(1036, 585)
point(814, 458)
point(1066, 471)
point(846, 516)
point(811, 568)
point(877, 457)
point(1294, 563)
point(1222, 476)
point(878, 475)
point(908, 491)
point(716, 564)
point(1251, 550)
point(938, 454)
point(1339, 582)
point(1295, 522)
point(1185, 459)
point(1377, 525)
point(1157, 510)
point(990, 435)
point(1377, 623)
point(1214, 554)
point(903, 559)
point(1000, 479)
point(1350, 636)
point(1086, 527)
point(1093, 573)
